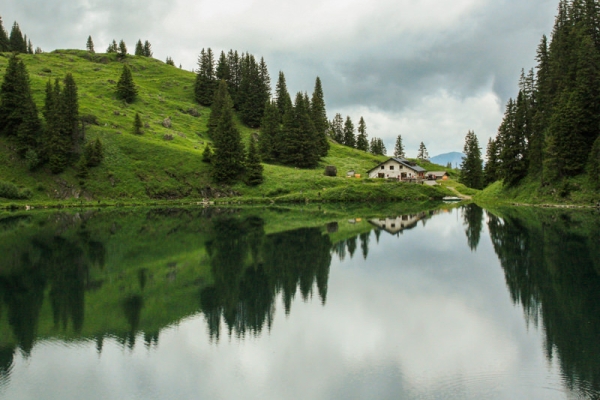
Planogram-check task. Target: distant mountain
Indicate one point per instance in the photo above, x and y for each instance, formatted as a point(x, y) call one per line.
point(454, 158)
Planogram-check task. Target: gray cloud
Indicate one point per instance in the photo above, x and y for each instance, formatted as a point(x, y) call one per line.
point(384, 55)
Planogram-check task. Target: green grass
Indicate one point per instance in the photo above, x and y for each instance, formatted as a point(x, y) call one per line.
point(148, 168)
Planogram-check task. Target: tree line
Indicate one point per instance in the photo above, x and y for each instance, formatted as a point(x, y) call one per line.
point(16, 42)
point(550, 132)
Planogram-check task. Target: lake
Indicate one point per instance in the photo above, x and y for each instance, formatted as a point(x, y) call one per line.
point(387, 302)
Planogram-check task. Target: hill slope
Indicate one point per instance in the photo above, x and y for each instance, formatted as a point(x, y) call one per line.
point(166, 161)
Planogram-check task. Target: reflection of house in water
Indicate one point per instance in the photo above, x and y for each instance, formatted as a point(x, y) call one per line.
point(397, 224)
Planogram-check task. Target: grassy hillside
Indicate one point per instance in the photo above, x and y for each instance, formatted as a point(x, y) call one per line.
point(165, 163)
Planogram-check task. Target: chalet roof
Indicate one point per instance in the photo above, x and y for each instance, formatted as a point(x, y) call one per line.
point(402, 161)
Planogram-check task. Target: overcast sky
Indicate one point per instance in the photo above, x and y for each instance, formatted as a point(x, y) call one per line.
point(426, 69)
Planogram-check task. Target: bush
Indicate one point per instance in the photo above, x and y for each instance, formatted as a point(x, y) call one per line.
point(11, 191)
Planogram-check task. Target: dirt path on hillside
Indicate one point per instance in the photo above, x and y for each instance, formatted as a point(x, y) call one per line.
point(459, 194)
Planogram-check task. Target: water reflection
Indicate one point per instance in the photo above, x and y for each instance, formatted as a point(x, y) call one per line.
point(128, 276)
point(551, 264)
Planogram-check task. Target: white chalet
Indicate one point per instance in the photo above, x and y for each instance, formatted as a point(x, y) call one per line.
point(397, 168)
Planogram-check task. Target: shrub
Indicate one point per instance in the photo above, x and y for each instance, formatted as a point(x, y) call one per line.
point(11, 191)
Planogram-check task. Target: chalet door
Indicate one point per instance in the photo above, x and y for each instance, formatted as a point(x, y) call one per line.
point(381, 175)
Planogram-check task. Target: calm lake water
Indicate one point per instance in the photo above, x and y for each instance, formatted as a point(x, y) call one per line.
point(458, 303)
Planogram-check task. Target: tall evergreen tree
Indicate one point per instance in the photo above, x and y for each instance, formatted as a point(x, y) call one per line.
point(228, 159)
point(90, 45)
point(471, 174)
point(377, 147)
point(254, 169)
point(113, 47)
point(337, 128)
point(4, 42)
point(122, 53)
point(126, 89)
point(422, 153)
point(492, 164)
point(319, 117)
point(147, 49)
point(399, 148)
point(139, 48)
point(282, 96)
point(270, 135)
point(17, 42)
point(59, 136)
point(137, 124)
point(218, 104)
point(223, 71)
point(254, 90)
point(298, 145)
point(349, 137)
point(204, 88)
point(71, 112)
point(362, 141)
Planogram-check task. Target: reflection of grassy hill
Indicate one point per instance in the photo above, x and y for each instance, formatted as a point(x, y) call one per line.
point(154, 259)
point(149, 167)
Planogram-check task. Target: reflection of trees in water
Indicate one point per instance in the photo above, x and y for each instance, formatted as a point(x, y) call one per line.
point(250, 269)
point(473, 219)
point(55, 263)
point(551, 269)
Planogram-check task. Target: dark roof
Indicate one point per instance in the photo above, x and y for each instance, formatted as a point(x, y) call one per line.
point(402, 161)
point(438, 173)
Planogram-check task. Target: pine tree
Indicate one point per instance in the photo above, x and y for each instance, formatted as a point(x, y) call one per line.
point(282, 96)
point(223, 71)
point(58, 134)
point(319, 117)
point(126, 89)
point(204, 89)
point(113, 47)
point(594, 165)
point(270, 135)
point(218, 104)
point(137, 124)
point(122, 53)
point(139, 48)
point(337, 128)
point(254, 169)
point(349, 137)
point(422, 153)
point(298, 146)
point(4, 42)
point(207, 154)
point(29, 47)
point(362, 141)
point(399, 148)
point(228, 159)
point(254, 91)
point(492, 165)
point(471, 174)
point(377, 147)
point(71, 112)
point(16, 41)
point(90, 45)
point(169, 61)
point(147, 49)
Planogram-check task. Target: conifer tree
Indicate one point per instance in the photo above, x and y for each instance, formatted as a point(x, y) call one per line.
point(594, 165)
point(349, 137)
point(228, 159)
point(471, 174)
point(4, 42)
point(90, 45)
point(270, 135)
point(282, 96)
point(362, 141)
point(17, 42)
point(147, 49)
point(492, 165)
point(218, 104)
point(422, 153)
point(337, 128)
point(223, 71)
point(319, 117)
point(137, 124)
point(58, 134)
point(298, 146)
point(207, 154)
point(29, 47)
point(169, 61)
point(71, 112)
point(399, 148)
point(377, 147)
point(122, 52)
point(126, 89)
point(254, 90)
point(139, 48)
point(254, 169)
point(204, 88)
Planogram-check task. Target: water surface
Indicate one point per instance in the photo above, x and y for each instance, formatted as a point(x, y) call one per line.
point(459, 303)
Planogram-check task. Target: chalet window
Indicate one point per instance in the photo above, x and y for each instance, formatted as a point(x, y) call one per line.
point(382, 167)
point(391, 167)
